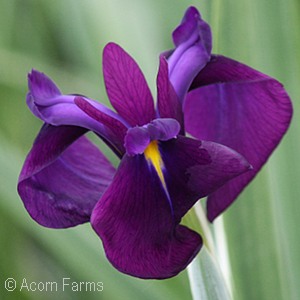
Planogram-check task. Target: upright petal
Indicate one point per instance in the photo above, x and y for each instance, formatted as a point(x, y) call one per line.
point(192, 39)
point(192, 28)
point(234, 105)
point(41, 86)
point(63, 177)
point(126, 86)
point(194, 169)
point(168, 103)
point(134, 221)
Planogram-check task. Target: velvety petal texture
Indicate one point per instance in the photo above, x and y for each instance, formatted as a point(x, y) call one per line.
point(139, 228)
point(138, 232)
point(195, 169)
point(63, 177)
point(193, 43)
point(126, 86)
point(232, 104)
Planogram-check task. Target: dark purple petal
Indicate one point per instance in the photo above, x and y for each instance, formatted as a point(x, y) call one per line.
point(134, 221)
point(221, 69)
point(126, 86)
point(138, 138)
point(63, 177)
point(46, 102)
point(192, 39)
point(242, 109)
point(168, 103)
point(195, 169)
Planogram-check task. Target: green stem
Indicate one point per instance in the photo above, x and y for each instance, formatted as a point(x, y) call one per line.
point(206, 280)
point(205, 230)
point(205, 276)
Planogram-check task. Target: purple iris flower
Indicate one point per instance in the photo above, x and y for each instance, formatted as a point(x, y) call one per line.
point(235, 114)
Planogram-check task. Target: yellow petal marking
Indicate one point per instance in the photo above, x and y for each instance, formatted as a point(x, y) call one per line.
point(152, 155)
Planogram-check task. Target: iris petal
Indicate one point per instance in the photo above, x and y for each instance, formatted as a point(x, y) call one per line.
point(232, 104)
point(47, 103)
point(140, 231)
point(163, 129)
point(168, 103)
point(63, 177)
point(195, 169)
point(126, 86)
point(117, 128)
point(192, 39)
point(136, 226)
point(138, 138)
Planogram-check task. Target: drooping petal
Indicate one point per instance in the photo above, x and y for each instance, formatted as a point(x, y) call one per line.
point(234, 105)
point(46, 102)
point(193, 42)
point(63, 177)
point(126, 86)
point(134, 221)
point(168, 103)
point(195, 169)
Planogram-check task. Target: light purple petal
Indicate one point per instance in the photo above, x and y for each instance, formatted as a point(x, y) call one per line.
point(168, 103)
point(241, 108)
point(42, 88)
point(134, 221)
point(63, 177)
point(46, 102)
point(192, 39)
point(195, 169)
point(192, 27)
point(126, 86)
point(138, 138)
point(45, 93)
point(163, 129)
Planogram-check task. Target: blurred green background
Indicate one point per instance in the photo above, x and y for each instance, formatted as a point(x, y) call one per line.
point(259, 234)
